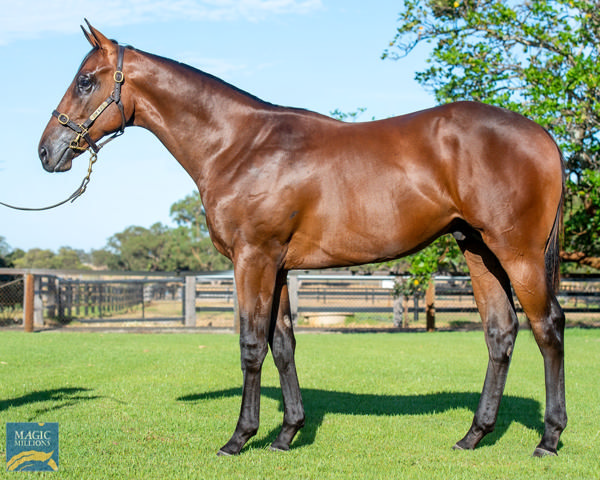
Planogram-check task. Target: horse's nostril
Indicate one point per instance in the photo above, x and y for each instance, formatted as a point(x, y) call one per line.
point(43, 154)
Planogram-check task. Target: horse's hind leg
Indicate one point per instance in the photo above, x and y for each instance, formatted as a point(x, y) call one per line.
point(283, 345)
point(547, 320)
point(491, 289)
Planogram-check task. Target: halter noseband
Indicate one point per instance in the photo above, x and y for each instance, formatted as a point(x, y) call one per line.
point(82, 128)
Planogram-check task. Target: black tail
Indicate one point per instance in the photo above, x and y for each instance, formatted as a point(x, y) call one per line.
point(553, 243)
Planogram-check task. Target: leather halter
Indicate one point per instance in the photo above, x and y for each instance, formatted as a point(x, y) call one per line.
point(82, 128)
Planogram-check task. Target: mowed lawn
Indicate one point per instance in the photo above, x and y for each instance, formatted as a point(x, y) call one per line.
point(159, 406)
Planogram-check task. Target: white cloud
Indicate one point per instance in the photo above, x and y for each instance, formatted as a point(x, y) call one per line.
point(31, 19)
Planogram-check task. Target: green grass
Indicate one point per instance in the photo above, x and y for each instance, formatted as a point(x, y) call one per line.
point(378, 406)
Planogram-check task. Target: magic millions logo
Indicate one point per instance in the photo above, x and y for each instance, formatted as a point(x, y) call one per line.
point(31, 447)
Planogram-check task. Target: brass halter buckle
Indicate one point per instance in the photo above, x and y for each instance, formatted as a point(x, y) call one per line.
point(75, 142)
point(63, 119)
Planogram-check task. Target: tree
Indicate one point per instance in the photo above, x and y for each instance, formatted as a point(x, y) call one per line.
point(138, 248)
point(187, 253)
point(193, 241)
point(4, 247)
point(66, 259)
point(189, 212)
point(583, 225)
point(105, 258)
point(5, 253)
point(540, 58)
point(161, 248)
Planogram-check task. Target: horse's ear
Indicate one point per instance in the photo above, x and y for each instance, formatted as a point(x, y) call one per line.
point(96, 39)
point(89, 37)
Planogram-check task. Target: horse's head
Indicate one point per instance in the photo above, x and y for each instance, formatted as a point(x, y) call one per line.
point(86, 112)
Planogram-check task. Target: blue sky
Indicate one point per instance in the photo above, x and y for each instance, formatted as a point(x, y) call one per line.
point(316, 54)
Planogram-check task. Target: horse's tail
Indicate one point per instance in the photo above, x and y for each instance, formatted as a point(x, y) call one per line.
point(553, 244)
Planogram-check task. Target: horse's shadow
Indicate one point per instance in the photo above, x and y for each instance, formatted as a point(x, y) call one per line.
point(318, 403)
point(49, 400)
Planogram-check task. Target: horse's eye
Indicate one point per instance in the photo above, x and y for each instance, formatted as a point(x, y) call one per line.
point(85, 83)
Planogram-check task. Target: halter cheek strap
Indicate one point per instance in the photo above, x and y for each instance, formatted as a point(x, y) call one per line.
point(82, 128)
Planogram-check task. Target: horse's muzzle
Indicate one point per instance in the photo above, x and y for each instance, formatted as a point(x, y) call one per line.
point(56, 160)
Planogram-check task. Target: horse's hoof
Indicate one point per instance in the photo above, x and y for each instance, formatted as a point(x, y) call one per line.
point(542, 452)
point(223, 453)
point(462, 445)
point(275, 448)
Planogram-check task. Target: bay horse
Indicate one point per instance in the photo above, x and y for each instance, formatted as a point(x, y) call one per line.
point(286, 188)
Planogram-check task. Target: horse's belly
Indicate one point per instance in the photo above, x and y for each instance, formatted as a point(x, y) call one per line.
point(340, 244)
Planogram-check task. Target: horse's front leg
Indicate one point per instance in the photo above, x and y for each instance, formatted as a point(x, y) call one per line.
point(283, 346)
point(255, 283)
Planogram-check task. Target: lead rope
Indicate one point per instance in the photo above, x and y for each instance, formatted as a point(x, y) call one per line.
point(74, 196)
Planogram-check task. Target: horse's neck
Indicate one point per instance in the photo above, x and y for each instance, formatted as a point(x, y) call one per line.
point(196, 116)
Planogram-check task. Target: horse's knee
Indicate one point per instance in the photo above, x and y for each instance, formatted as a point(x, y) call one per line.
point(253, 353)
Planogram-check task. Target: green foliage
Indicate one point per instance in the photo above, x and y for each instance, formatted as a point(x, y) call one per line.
point(582, 223)
point(442, 256)
point(540, 58)
point(4, 248)
point(138, 248)
point(191, 241)
point(6, 259)
point(162, 248)
point(189, 212)
point(66, 259)
point(347, 116)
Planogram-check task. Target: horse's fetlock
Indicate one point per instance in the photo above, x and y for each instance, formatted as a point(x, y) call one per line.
point(297, 423)
point(485, 426)
point(249, 427)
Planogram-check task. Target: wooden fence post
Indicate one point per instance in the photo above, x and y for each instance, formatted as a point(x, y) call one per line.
point(430, 305)
point(189, 308)
point(28, 303)
point(293, 294)
point(38, 303)
point(415, 298)
point(236, 310)
point(398, 313)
